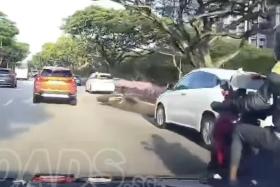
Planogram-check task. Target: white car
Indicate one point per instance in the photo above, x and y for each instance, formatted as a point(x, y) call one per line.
point(100, 82)
point(188, 102)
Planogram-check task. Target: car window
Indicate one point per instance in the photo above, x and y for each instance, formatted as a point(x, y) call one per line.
point(4, 71)
point(104, 77)
point(203, 80)
point(56, 73)
point(197, 80)
point(184, 83)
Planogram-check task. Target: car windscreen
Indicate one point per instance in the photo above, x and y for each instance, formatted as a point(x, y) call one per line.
point(4, 71)
point(56, 73)
point(104, 77)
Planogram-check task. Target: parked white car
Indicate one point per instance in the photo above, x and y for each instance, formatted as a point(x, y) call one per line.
point(188, 102)
point(100, 82)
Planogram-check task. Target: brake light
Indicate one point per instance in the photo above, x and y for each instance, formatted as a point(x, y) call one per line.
point(53, 179)
point(73, 86)
point(37, 84)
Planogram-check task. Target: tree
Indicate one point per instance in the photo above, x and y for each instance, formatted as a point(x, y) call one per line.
point(11, 51)
point(197, 25)
point(66, 51)
point(114, 35)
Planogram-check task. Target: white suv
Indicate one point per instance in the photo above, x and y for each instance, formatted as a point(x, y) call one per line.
point(188, 102)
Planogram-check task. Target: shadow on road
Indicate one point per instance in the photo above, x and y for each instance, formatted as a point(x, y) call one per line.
point(175, 157)
point(188, 133)
point(54, 101)
point(17, 112)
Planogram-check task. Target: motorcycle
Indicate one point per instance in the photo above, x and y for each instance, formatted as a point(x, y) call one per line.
point(224, 127)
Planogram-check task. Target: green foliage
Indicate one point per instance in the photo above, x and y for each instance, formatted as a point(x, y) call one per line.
point(67, 51)
point(114, 35)
point(11, 51)
point(7, 31)
point(253, 59)
point(156, 68)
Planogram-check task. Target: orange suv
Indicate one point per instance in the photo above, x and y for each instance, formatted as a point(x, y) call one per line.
point(55, 82)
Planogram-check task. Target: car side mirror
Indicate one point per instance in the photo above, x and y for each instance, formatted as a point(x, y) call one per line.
point(170, 86)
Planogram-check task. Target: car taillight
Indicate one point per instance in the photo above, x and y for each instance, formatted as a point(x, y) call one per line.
point(37, 83)
point(53, 179)
point(73, 86)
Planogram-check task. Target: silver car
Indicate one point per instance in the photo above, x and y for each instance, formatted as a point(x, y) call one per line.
point(8, 78)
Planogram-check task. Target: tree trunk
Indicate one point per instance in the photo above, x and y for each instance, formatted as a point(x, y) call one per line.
point(178, 66)
point(204, 53)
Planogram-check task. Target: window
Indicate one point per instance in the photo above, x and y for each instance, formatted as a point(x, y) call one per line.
point(197, 80)
point(4, 71)
point(56, 73)
point(184, 83)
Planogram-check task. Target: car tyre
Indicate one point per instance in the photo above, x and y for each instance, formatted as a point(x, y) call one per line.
point(207, 126)
point(160, 118)
point(36, 99)
point(73, 101)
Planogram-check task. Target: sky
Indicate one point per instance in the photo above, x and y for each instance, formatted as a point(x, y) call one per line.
point(39, 21)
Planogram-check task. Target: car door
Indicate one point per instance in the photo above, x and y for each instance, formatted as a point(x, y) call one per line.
point(191, 97)
point(174, 100)
point(88, 82)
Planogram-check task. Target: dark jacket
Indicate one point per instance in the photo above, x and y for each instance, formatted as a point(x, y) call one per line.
point(265, 99)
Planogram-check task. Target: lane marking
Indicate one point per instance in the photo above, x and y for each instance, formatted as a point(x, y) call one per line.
point(8, 102)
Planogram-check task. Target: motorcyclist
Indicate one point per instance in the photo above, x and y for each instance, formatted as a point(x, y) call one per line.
point(266, 98)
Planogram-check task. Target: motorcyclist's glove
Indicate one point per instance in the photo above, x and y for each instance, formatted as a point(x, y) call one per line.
point(222, 106)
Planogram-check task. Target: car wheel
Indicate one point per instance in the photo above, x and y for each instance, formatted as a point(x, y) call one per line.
point(207, 126)
point(160, 117)
point(36, 99)
point(73, 101)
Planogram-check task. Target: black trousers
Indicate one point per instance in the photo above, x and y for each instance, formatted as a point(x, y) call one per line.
point(254, 136)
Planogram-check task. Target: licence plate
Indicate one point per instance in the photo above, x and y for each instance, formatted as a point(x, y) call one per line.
point(55, 95)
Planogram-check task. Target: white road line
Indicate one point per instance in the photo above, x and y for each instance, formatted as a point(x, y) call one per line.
point(8, 102)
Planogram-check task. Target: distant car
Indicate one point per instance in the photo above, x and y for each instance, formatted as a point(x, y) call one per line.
point(78, 80)
point(55, 82)
point(8, 78)
point(100, 82)
point(22, 73)
point(188, 102)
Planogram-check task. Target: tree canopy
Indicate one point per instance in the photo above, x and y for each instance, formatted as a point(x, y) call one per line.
point(66, 51)
point(11, 51)
point(114, 35)
point(205, 18)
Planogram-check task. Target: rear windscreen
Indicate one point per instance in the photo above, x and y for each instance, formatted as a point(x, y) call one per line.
point(56, 73)
point(3, 71)
point(104, 77)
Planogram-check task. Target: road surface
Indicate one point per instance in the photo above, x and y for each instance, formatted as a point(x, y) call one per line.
point(89, 139)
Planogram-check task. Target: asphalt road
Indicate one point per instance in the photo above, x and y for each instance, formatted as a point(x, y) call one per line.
point(89, 139)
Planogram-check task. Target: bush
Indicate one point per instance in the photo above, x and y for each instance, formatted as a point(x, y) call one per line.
point(253, 59)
